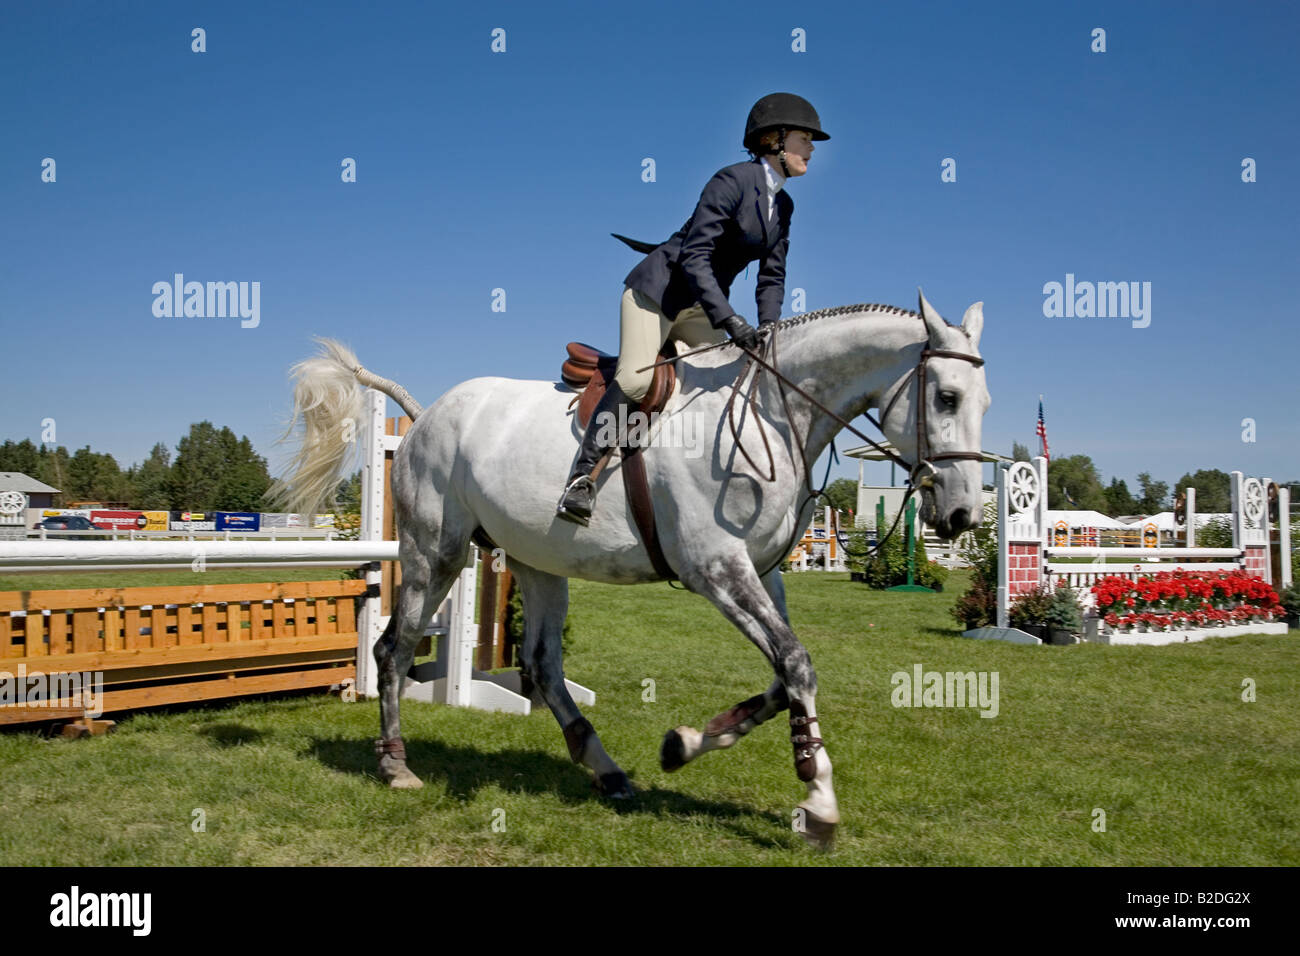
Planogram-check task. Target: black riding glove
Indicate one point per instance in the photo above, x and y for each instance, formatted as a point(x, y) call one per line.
point(741, 332)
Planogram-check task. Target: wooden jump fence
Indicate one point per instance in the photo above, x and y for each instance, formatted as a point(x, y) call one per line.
point(166, 645)
point(152, 646)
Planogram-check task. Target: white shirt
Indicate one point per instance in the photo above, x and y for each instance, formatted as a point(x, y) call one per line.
point(775, 182)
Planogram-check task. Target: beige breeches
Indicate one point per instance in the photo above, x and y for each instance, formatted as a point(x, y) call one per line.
point(643, 330)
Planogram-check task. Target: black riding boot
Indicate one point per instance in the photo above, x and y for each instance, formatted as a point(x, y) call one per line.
point(579, 498)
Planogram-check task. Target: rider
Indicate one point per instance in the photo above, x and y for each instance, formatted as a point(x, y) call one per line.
point(680, 289)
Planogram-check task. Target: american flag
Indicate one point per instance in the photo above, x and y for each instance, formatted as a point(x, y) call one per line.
point(1041, 430)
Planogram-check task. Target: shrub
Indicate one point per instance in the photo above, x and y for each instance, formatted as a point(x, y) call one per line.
point(1030, 608)
point(981, 547)
point(1291, 601)
point(1065, 612)
point(889, 566)
point(858, 541)
point(1216, 533)
point(978, 607)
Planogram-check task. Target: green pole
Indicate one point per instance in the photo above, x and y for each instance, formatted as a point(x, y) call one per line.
point(910, 543)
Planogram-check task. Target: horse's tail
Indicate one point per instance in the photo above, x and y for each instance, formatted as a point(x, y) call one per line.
point(327, 397)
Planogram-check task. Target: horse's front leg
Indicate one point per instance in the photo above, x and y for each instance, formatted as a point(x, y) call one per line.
point(683, 744)
point(734, 587)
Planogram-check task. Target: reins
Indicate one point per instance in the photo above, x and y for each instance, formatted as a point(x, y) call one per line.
point(923, 459)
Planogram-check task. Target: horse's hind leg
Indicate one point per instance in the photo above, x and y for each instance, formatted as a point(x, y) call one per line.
point(681, 745)
point(546, 601)
point(430, 566)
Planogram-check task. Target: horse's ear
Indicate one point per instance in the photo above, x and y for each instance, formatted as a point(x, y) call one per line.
point(972, 323)
point(933, 320)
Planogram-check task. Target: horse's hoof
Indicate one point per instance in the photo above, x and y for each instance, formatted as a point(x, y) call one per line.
point(672, 752)
point(403, 779)
point(818, 834)
point(614, 786)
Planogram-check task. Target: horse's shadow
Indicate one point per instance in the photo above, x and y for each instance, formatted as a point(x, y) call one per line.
point(466, 771)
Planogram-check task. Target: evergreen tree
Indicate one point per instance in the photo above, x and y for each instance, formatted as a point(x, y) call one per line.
point(20, 456)
point(150, 480)
point(1213, 490)
point(1155, 495)
point(214, 470)
point(1118, 499)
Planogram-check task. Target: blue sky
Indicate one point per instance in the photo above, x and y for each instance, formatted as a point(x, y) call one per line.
point(478, 170)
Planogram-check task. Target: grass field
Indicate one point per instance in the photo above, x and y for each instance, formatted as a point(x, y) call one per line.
point(1157, 738)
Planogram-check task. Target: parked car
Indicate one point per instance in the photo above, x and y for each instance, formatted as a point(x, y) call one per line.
point(68, 523)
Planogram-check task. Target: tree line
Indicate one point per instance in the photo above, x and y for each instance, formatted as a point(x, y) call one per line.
point(211, 470)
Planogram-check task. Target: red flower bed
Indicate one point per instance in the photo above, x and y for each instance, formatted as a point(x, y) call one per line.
point(1183, 598)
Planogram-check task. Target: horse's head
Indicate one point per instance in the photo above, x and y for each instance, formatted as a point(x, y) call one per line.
point(940, 434)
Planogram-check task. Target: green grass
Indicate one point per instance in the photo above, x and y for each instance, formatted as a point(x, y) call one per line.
point(1157, 737)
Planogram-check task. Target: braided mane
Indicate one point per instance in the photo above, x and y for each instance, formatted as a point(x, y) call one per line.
point(845, 310)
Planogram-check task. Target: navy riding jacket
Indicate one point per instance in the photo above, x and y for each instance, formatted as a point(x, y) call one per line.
point(728, 230)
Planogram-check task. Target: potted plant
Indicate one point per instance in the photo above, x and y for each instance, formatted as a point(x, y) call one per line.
point(1064, 616)
point(1028, 612)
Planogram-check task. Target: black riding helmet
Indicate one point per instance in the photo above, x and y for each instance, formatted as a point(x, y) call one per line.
point(783, 111)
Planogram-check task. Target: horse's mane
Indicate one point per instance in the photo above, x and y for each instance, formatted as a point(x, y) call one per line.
point(844, 310)
point(724, 356)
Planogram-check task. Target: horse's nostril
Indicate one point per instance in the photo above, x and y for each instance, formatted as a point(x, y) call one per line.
point(960, 520)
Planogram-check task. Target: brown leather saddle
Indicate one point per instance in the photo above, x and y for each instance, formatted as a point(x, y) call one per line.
point(591, 370)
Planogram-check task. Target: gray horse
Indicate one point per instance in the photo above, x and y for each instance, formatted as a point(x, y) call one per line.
point(485, 460)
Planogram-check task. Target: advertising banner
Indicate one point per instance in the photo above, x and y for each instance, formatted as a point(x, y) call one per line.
point(238, 521)
point(117, 520)
point(192, 521)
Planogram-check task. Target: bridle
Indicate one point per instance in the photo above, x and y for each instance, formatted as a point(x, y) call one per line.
point(923, 449)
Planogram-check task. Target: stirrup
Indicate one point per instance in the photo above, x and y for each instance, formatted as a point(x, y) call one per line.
point(576, 486)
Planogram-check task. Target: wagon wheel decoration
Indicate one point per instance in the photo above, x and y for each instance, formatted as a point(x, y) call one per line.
point(1253, 499)
point(1022, 486)
point(11, 503)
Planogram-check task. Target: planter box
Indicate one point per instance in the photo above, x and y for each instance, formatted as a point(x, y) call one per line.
point(1157, 638)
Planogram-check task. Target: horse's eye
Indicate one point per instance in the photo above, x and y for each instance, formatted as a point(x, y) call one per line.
point(948, 398)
